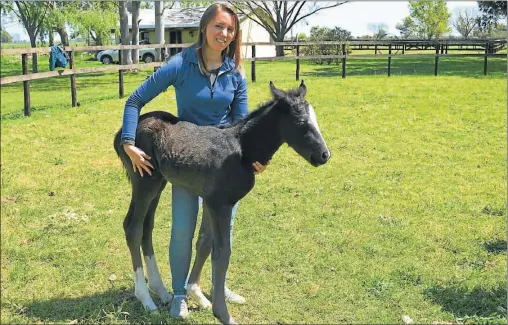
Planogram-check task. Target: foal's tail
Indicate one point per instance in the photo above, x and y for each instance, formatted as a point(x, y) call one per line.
point(149, 125)
point(122, 154)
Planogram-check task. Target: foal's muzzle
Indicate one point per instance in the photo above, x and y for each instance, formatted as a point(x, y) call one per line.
point(320, 158)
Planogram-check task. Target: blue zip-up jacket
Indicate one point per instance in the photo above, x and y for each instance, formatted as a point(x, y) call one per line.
point(196, 100)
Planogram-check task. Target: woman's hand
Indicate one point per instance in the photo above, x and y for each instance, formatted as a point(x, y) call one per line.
point(139, 159)
point(260, 168)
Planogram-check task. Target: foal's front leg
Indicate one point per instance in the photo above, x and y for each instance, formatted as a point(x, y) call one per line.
point(220, 219)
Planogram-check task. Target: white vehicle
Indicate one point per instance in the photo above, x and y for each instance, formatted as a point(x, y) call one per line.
point(110, 56)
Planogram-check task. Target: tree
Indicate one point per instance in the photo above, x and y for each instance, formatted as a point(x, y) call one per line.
point(465, 22)
point(278, 17)
point(320, 34)
point(5, 36)
point(135, 30)
point(124, 32)
point(160, 7)
point(427, 19)
point(379, 30)
point(405, 27)
point(94, 20)
point(301, 37)
point(159, 28)
point(59, 13)
point(495, 9)
point(32, 15)
point(489, 24)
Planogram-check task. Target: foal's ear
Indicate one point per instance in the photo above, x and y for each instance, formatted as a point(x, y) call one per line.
point(277, 93)
point(302, 89)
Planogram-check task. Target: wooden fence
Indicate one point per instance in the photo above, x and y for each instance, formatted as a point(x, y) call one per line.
point(441, 49)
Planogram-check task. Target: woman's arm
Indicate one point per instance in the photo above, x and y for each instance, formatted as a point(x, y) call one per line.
point(239, 106)
point(153, 86)
point(149, 89)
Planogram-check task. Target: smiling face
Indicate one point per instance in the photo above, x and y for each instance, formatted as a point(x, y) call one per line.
point(220, 31)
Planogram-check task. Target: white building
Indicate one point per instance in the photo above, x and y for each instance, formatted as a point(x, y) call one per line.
point(182, 24)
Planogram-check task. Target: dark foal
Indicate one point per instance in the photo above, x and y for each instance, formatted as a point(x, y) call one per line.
point(216, 164)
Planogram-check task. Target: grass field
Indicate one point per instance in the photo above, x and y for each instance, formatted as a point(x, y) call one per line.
point(407, 218)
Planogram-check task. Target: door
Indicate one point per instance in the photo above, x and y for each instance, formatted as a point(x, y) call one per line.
point(175, 37)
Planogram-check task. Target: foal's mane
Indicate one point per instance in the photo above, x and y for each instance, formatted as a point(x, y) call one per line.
point(262, 108)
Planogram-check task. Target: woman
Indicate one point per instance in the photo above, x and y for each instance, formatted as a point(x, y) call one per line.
point(211, 89)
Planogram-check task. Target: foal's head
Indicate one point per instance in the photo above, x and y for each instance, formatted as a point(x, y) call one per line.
point(299, 127)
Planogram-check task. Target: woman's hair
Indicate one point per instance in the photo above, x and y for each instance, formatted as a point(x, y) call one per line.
point(233, 51)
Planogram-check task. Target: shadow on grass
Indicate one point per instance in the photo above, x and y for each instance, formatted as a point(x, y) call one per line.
point(464, 303)
point(111, 306)
point(496, 246)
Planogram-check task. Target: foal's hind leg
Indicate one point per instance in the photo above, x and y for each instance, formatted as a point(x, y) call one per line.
point(220, 221)
point(154, 278)
point(203, 248)
point(144, 190)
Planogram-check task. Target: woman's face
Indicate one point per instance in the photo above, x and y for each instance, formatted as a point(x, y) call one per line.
point(220, 31)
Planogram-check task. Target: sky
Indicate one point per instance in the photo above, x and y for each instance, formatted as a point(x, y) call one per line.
point(354, 16)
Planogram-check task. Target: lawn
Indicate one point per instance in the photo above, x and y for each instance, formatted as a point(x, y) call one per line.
point(407, 219)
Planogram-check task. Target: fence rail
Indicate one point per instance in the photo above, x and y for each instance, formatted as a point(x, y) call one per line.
point(441, 48)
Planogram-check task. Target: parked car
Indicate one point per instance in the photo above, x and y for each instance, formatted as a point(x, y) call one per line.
point(110, 56)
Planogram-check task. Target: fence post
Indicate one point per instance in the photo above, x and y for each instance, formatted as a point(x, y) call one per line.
point(344, 61)
point(298, 62)
point(253, 64)
point(26, 84)
point(120, 76)
point(436, 60)
point(389, 59)
point(74, 97)
point(485, 59)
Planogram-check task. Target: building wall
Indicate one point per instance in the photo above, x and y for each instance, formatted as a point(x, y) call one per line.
point(252, 32)
point(186, 35)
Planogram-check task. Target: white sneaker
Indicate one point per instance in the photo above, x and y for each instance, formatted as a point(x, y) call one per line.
point(194, 292)
point(179, 307)
point(232, 297)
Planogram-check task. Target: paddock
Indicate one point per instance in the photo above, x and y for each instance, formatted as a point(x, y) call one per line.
point(408, 218)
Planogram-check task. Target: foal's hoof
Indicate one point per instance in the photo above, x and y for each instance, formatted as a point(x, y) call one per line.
point(230, 320)
point(166, 298)
point(151, 308)
point(147, 302)
point(154, 312)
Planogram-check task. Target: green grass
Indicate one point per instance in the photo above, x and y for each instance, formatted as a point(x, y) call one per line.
point(407, 218)
point(99, 86)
